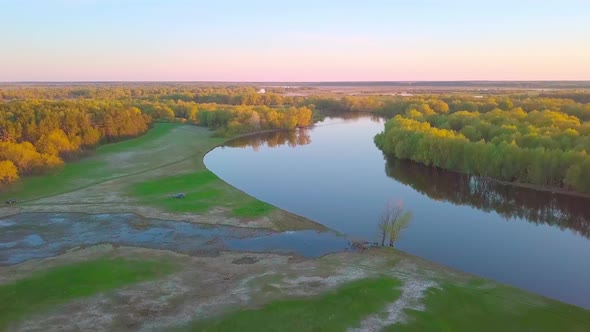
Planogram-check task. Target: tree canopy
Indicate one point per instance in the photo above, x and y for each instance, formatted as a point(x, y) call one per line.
point(40, 127)
point(544, 142)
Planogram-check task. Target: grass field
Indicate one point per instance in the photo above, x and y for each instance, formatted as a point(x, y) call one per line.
point(253, 208)
point(69, 177)
point(90, 170)
point(199, 187)
point(335, 311)
point(158, 131)
point(451, 307)
point(462, 308)
point(149, 168)
point(203, 190)
point(54, 286)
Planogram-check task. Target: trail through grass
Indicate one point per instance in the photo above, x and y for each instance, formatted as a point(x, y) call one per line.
point(93, 169)
point(60, 284)
point(56, 182)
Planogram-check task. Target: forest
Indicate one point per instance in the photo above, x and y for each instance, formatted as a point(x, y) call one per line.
point(538, 139)
point(40, 128)
point(37, 135)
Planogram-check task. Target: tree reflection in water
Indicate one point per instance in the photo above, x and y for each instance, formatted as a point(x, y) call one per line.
point(539, 207)
point(273, 139)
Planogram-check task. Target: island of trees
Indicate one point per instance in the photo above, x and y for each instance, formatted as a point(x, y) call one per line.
point(541, 142)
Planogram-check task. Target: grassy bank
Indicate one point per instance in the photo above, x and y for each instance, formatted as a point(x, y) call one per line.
point(203, 189)
point(453, 307)
point(475, 306)
point(335, 311)
point(58, 285)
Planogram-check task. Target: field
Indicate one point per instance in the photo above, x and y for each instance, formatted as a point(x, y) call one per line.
point(46, 289)
point(448, 307)
point(367, 290)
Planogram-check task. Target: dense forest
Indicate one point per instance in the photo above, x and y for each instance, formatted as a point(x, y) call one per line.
point(36, 135)
point(538, 141)
point(42, 127)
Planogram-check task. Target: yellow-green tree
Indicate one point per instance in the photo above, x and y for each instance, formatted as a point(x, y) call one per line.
point(8, 172)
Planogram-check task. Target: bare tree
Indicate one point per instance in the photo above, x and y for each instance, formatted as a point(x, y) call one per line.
point(398, 225)
point(392, 221)
point(384, 221)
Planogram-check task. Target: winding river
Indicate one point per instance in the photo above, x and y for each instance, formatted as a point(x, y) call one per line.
point(334, 174)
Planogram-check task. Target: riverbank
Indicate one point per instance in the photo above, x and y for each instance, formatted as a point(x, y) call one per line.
point(200, 292)
point(551, 190)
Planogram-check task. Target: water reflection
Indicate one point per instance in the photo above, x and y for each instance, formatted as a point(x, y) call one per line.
point(273, 139)
point(28, 236)
point(563, 211)
point(358, 116)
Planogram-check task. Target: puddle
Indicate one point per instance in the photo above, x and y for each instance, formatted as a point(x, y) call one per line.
point(38, 235)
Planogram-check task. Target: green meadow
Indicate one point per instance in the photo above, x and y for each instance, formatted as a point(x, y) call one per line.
point(54, 286)
point(475, 306)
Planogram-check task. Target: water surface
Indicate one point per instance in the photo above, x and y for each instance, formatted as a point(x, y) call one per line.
point(335, 175)
point(39, 235)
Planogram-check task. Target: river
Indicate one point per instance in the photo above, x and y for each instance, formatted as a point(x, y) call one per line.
point(333, 174)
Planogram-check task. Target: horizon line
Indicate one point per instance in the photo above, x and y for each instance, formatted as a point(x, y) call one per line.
point(316, 82)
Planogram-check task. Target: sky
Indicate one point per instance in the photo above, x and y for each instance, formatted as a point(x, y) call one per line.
point(295, 40)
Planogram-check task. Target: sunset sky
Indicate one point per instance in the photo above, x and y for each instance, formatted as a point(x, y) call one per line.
point(304, 40)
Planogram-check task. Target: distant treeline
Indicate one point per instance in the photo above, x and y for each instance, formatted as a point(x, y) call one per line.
point(518, 137)
point(580, 97)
